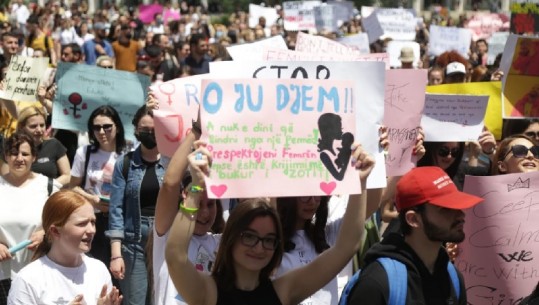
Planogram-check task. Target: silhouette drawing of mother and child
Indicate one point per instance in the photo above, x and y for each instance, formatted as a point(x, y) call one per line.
point(336, 159)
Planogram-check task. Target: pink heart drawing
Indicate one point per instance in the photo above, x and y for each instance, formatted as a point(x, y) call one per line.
point(328, 188)
point(218, 190)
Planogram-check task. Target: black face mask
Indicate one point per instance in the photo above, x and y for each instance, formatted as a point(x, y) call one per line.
point(147, 139)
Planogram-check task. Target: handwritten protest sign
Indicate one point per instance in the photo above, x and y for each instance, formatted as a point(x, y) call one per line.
point(344, 10)
point(299, 15)
point(147, 12)
point(462, 114)
point(404, 101)
point(394, 48)
point(83, 88)
point(359, 42)
point(254, 50)
point(179, 101)
point(372, 27)
point(496, 45)
point(276, 137)
point(23, 76)
point(257, 11)
point(498, 256)
point(444, 39)
point(369, 80)
point(484, 25)
point(288, 55)
point(397, 23)
point(493, 116)
point(322, 45)
point(325, 18)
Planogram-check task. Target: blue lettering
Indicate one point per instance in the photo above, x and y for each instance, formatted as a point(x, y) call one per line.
point(297, 101)
point(255, 107)
point(332, 95)
point(209, 106)
point(238, 88)
point(191, 91)
point(306, 97)
point(282, 97)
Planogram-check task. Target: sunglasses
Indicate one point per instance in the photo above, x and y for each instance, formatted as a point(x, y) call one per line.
point(532, 134)
point(446, 151)
point(521, 151)
point(105, 127)
point(251, 240)
point(107, 67)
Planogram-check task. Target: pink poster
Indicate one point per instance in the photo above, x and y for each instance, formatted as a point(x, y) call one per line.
point(279, 137)
point(498, 258)
point(318, 44)
point(273, 54)
point(170, 15)
point(178, 106)
point(148, 11)
point(403, 107)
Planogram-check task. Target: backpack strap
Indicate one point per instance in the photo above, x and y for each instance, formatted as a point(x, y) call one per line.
point(397, 277)
point(86, 161)
point(454, 278)
point(348, 288)
point(49, 186)
point(126, 165)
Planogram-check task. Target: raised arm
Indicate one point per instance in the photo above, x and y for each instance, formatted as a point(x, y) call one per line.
point(195, 287)
point(298, 284)
point(170, 192)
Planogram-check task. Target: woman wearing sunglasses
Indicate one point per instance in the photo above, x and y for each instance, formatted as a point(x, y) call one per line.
point(516, 154)
point(91, 175)
point(252, 247)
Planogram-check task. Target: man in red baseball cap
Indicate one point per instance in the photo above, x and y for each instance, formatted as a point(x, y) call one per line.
point(413, 267)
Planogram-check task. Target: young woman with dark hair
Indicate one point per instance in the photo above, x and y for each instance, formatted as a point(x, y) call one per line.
point(252, 247)
point(93, 166)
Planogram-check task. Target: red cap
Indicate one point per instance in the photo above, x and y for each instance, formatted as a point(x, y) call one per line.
point(430, 184)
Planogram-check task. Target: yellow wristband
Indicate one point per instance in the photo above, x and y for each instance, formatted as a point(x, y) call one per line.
point(191, 211)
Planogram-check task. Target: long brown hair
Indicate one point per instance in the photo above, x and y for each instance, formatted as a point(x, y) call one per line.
point(241, 216)
point(56, 212)
point(314, 230)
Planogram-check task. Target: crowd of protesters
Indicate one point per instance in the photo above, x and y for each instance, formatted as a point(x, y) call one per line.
point(118, 207)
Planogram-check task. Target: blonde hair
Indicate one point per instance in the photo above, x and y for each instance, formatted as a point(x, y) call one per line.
point(27, 113)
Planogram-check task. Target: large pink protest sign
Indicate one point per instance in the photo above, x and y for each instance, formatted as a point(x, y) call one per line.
point(147, 12)
point(279, 137)
point(178, 107)
point(483, 25)
point(498, 258)
point(273, 54)
point(403, 107)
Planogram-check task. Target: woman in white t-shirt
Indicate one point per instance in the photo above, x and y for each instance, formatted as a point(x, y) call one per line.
point(23, 194)
point(306, 235)
point(61, 273)
point(91, 173)
point(203, 245)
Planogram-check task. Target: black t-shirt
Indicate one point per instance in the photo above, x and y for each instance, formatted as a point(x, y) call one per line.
point(48, 154)
point(149, 188)
point(264, 294)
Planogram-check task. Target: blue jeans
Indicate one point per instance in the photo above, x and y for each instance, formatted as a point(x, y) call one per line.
point(135, 285)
